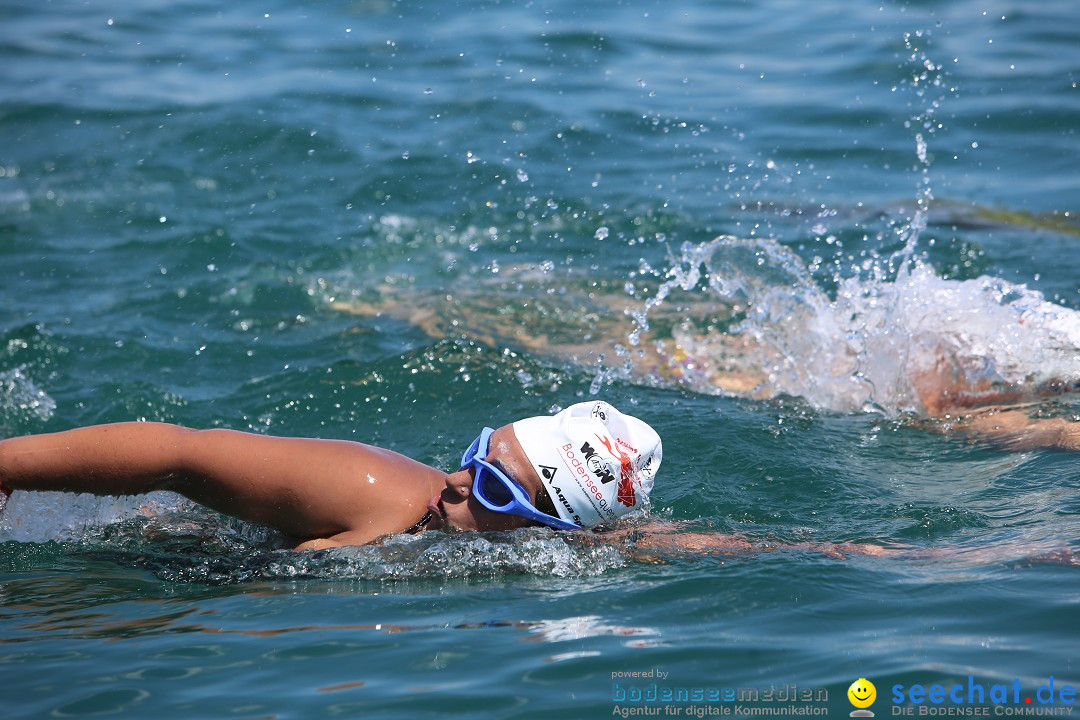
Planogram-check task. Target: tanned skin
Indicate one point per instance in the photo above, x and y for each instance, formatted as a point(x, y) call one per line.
point(323, 492)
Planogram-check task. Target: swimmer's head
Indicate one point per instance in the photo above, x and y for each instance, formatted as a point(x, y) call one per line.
point(595, 463)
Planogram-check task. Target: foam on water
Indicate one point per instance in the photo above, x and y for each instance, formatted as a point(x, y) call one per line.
point(434, 555)
point(180, 542)
point(440, 555)
point(21, 399)
point(45, 516)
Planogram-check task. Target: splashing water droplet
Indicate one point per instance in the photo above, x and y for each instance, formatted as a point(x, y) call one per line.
point(888, 337)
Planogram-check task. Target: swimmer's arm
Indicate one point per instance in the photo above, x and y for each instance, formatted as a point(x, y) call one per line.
point(661, 537)
point(120, 459)
point(294, 485)
point(668, 536)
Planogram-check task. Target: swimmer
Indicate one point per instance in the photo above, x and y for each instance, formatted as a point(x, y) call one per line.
point(584, 467)
point(939, 382)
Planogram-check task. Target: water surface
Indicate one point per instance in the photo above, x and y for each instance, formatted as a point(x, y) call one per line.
point(191, 196)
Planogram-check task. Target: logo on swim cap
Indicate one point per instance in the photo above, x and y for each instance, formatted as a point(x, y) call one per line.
point(605, 461)
point(598, 467)
point(626, 473)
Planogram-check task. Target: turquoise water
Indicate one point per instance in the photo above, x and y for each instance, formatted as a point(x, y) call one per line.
point(198, 202)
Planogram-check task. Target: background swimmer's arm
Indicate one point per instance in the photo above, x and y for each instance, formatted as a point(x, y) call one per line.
point(1015, 430)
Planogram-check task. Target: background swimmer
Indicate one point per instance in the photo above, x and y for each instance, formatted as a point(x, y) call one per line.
point(746, 318)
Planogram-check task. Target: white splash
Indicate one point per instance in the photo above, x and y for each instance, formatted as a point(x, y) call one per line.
point(20, 398)
point(46, 516)
point(870, 345)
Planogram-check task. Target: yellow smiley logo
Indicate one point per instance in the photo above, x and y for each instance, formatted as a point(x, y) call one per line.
point(862, 693)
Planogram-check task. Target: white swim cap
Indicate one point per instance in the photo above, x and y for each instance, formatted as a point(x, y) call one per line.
point(596, 463)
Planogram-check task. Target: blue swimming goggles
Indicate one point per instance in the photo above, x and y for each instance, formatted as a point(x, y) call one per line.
point(498, 492)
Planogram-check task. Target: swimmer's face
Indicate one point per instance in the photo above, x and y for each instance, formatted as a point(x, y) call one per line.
point(461, 511)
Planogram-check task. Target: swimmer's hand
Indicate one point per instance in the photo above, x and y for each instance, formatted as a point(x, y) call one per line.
point(344, 539)
point(317, 544)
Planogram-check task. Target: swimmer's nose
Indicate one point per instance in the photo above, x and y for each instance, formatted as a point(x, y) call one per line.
point(458, 486)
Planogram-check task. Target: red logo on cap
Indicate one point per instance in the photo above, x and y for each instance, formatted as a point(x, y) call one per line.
point(626, 494)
